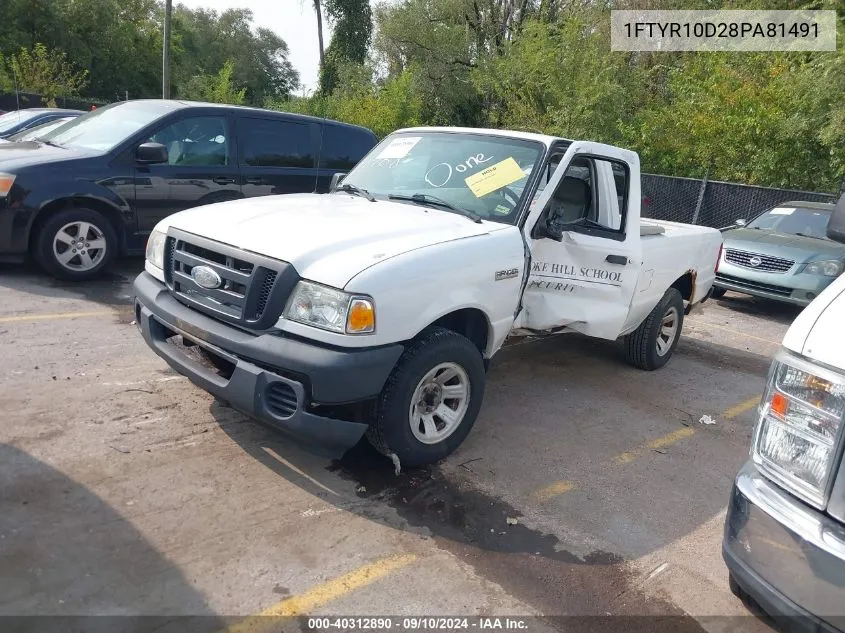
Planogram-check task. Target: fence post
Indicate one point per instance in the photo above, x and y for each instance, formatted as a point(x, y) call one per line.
point(700, 198)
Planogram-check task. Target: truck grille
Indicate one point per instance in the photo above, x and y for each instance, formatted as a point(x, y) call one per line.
point(756, 261)
point(253, 289)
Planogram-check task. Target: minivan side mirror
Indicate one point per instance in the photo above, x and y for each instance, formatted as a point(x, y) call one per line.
point(741, 222)
point(151, 153)
point(337, 179)
point(836, 225)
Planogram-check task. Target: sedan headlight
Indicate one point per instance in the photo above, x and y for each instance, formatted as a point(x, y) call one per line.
point(801, 415)
point(828, 268)
point(6, 182)
point(155, 248)
point(331, 309)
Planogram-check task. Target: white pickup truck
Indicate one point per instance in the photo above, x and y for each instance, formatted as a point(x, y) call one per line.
point(376, 308)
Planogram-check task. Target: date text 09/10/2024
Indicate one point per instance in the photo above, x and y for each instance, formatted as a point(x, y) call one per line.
point(416, 623)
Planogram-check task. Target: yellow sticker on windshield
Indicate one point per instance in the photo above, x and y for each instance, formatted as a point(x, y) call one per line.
point(495, 177)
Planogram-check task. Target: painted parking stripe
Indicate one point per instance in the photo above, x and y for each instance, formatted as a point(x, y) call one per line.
point(551, 491)
point(324, 593)
point(23, 318)
point(738, 409)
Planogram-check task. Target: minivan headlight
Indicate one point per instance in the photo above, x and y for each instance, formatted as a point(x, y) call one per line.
point(155, 248)
point(800, 418)
point(828, 268)
point(331, 309)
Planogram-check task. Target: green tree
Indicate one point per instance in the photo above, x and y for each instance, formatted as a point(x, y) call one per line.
point(47, 73)
point(353, 27)
point(217, 88)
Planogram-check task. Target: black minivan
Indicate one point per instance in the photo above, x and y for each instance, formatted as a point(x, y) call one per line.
point(95, 187)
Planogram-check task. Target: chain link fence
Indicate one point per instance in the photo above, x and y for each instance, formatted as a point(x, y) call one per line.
point(713, 203)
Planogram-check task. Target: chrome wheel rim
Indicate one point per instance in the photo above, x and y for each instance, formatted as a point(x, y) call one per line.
point(668, 331)
point(439, 403)
point(79, 246)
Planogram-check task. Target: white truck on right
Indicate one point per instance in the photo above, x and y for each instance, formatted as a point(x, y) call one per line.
point(376, 309)
point(784, 541)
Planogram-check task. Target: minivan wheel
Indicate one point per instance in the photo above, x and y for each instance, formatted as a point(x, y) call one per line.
point(76, 244)
point(431, 399)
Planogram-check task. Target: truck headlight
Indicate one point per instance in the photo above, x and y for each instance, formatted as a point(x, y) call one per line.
point(800, 418)
point(6, 182)
point(155, 248)
point(828, 268)
point(331, 309)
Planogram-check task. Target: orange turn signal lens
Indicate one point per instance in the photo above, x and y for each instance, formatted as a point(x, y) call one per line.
point(6, 182)
point(362, 317)
point(779, 405)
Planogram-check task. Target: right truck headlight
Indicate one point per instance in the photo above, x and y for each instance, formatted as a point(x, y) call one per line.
point(797, 436)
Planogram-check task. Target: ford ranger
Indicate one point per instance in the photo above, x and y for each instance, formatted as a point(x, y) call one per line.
point(375, 309)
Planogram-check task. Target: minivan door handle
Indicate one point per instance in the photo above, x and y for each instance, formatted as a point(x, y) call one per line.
point(617, 259)
point(223, 180)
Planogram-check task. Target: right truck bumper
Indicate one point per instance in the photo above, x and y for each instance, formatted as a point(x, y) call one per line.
point(272, 378)
point(788, 557)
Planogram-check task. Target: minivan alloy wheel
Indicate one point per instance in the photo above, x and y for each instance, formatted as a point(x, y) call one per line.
point(79, 246)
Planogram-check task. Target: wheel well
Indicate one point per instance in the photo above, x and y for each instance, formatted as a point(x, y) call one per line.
point(470, 322)
point(685, 284)
point(51, 208)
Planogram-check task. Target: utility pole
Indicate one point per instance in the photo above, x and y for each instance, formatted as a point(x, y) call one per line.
point(165, 53)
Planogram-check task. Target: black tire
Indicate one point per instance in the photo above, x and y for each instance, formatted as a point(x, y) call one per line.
point(736, 590)
point(100, 231)
point(391, 432)
point(718, 293)
point(641, 345)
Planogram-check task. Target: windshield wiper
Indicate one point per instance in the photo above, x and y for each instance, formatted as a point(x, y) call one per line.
point(434, 201)
point(815, 237)
point(357, 191)
point(50, 143)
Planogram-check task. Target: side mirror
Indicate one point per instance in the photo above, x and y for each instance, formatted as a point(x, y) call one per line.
point(741, 222)
point(337, 179)
point(545, 228)
point(151, 153)
point(836, 225)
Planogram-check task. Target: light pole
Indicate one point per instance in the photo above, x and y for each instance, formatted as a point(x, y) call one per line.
point(165, 53)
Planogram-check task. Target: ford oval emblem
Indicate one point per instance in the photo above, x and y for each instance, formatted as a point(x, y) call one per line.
point(206, 277)
point(755, 261)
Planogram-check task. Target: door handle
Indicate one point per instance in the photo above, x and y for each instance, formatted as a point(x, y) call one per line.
point(254, 181)
point(617, 259)
point(222, 180)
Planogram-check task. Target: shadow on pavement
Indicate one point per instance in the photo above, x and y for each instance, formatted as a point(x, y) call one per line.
point(66, 556)
point(778, 311)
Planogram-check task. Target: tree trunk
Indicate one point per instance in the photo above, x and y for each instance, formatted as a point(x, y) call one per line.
point(319, 13)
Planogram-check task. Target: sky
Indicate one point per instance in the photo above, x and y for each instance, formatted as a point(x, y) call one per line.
point(293, 20)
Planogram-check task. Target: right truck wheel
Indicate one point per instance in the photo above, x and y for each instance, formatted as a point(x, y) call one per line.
point(651, 345)
point(718, 293)
point(431, 399)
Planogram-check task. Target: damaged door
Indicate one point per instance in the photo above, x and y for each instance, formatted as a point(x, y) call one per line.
point(583, 232)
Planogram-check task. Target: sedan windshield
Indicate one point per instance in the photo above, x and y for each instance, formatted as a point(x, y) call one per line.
point(11, 119)
point(475, 174)
point(794, 221)
point(105, 128)
point(39, 130)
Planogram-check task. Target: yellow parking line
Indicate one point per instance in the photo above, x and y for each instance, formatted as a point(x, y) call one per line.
point(52, 317)
point(326, 592)
point(738, 409)
point(551, 491)
point(737, 332)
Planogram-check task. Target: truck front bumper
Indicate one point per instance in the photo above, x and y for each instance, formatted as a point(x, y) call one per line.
point(276, 379)
point(788, 557)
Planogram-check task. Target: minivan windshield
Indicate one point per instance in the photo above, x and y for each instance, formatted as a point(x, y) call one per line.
point(105, 128)
point(476, 174)
point(794, 221)
point(11, 119)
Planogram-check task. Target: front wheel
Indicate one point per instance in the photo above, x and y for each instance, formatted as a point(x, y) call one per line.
point(431, 399)
point(76, 244)
point(718, 293)
point(651, 345)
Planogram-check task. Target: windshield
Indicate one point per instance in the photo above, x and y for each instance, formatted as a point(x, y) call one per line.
point(794, 221)
point(105, 128)
point(39, 130)
point(478, 173)
point(11, 119)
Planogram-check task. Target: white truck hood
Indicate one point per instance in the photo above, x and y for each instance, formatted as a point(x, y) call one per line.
point(817, 332)
point(329, 238)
